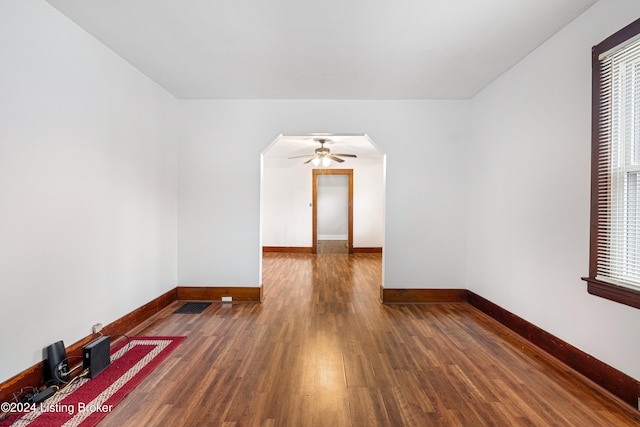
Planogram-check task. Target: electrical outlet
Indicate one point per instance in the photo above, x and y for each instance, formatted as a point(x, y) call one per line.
point(227, 299)
point(96, 328)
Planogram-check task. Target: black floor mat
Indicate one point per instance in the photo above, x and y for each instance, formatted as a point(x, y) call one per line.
point(192, 308)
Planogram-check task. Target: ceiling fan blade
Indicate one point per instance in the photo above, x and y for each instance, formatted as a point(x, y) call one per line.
point(323, 152)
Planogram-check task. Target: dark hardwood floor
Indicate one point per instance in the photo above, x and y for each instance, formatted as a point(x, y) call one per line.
point(321, 350)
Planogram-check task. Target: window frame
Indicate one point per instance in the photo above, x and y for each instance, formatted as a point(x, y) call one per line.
point(620, 294)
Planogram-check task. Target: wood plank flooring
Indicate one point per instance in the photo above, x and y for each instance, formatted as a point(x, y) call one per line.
point(321, 350)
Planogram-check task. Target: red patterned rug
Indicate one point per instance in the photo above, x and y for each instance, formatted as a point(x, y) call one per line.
point(87, 401)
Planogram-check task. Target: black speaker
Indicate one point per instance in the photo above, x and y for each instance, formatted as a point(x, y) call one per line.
point(56, 367)
point(96, 356)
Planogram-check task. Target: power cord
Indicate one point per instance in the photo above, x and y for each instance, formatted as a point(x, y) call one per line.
point(68, 373)
point(128, 344)
point(16, 396)
point(73, 380)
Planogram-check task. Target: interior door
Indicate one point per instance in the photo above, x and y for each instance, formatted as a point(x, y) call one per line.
point(337, 226)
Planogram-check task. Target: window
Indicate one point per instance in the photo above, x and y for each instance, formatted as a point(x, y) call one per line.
point(614, 265)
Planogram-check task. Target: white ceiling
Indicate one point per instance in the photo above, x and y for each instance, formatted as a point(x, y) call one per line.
point(299, 145)
point(315, 49)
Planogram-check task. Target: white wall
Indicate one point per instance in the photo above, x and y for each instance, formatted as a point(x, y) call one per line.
point(368, 202)
point(333, 207)
point(529, 206)
point(87, 184)
point(219, 184)
point(286, 216)
point(286, 196)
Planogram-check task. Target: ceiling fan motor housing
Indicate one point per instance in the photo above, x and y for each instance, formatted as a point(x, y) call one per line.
point(321, 151)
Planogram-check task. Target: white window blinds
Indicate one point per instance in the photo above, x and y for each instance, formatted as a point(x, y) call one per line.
point(618, 238)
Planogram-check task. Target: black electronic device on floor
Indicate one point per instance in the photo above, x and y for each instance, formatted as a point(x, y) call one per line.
point(96, 356)
point(56, 367)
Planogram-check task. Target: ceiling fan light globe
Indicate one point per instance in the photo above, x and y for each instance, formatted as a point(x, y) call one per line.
point(315, 161)
point(326, 161)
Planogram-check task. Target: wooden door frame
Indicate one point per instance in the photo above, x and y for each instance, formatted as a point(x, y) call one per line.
point(315, 173)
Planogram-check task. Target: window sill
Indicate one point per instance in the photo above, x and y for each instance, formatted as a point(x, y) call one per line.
point(611, 292)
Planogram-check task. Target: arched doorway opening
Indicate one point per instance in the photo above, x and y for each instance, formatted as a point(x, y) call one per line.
point(287, 199)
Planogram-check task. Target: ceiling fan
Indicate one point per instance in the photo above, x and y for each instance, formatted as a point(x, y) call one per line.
point(323, 155)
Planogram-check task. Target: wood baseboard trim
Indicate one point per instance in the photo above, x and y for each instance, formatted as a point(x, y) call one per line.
point(34, 376)
point(288, 249)
point(609, 378)
point(421, 296)
point(196, 293)
point(363, 250)
point(309, 250)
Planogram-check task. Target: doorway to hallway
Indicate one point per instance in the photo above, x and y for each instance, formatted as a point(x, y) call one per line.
point(332, 214)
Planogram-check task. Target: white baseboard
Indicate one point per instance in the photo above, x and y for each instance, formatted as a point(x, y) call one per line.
point(333, 237)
